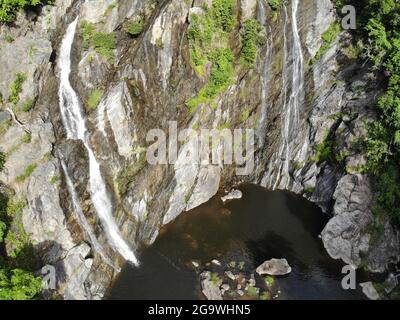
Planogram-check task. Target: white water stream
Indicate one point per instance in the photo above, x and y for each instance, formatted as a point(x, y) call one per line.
point(75, 125)
point(293, 77)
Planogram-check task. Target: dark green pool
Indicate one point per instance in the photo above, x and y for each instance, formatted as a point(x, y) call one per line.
point(260, 226)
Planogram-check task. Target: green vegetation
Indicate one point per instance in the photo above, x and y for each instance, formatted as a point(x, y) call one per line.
point(94, 99)
point(9, 8)
point(245, 115)
point(17, 281)
point(2, 160)
point(265, 296)
point(18, 284)
point(253, 291)
point(9, 39)
point(135, 28)
point(269, 281)
point(275, 4)
point(379, 25)
point(328, 37)
point(28, 105)
point(103, 43)
point(55, 179)
point(16, 88)
point(215, 279)
point(4, 126)
point(223, 14)
point(27, 173)
point(324, 151)
point(251, 40)
point(220, 78)
point(27, 138)
point(127, 175)
point(210, 38)
point(209, 44)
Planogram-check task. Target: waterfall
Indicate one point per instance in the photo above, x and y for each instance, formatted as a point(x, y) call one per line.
point(75, 126)
point(82, 219)
point(278, 172)
point(266, 77)
point(261, 12)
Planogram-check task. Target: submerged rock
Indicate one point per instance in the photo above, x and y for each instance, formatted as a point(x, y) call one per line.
point(274, 267)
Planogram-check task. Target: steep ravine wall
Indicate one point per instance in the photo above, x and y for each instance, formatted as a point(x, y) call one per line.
point(146, 86)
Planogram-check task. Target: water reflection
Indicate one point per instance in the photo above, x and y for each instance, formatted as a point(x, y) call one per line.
point(260, 226)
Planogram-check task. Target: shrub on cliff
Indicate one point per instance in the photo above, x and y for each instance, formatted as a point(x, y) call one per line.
point(379, 25)
point(9, 8)
point(17, 281)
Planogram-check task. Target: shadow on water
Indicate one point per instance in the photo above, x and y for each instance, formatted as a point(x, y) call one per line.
point(260, 226)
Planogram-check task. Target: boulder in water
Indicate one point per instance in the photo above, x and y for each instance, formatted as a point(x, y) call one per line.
point(369, 290)
point(235, 194)
point(274, 267)
point(209, 288)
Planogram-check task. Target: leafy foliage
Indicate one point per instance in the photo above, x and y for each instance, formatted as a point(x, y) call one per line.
point(16, 88)
point(220, 77)
point(135, 28)
point(250, 39)
point(223, 14)
point(275, 4)
point(94, 99)
point(380, 24)
point(103, 43)
point(17, 282)
point(209, 44)
point(27, 173)
point(9, 8)
point(328, 37)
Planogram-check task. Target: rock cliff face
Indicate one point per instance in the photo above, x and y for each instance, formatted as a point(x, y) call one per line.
point(295, 99)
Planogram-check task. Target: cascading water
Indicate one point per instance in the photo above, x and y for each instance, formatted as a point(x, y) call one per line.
point(265, 91)
point(293, 82)
point(261, 12)
point(75, 126)
point(82, 219)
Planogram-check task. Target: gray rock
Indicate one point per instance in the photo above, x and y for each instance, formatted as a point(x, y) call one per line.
point(210, 290)
point(226, 287)
point(216, 262)
point(346, 235)
point(391, 283)
point(230, 275)
point(235, 194)
point(274, 267)
point(369, 290)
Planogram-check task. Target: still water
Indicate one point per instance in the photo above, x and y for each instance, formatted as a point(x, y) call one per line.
point(260, 226)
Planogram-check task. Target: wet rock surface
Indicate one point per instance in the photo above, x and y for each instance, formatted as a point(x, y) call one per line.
point(274, 267)
point(145, 87)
